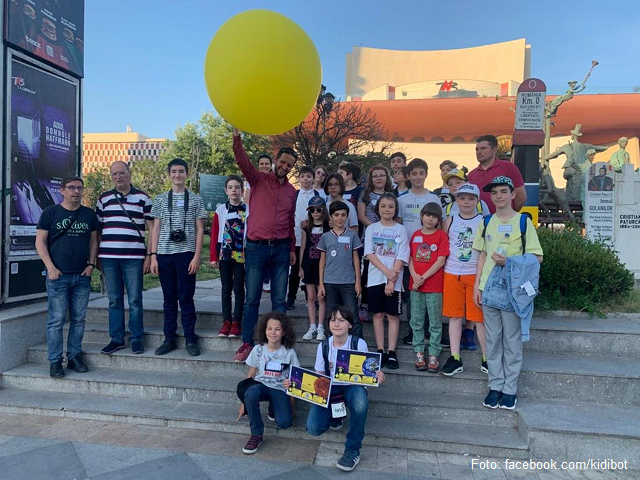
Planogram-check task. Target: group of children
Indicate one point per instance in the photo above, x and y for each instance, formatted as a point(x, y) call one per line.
point(441, 248)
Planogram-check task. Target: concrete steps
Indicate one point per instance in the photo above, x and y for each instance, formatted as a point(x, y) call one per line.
point(392, 432)
point(579, 392)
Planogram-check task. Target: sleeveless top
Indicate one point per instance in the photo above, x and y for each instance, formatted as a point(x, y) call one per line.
point(462, 259)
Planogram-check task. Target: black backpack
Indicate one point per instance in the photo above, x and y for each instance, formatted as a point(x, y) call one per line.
point(325, 351)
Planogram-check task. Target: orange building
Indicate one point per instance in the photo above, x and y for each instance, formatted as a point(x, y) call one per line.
point(100, 150)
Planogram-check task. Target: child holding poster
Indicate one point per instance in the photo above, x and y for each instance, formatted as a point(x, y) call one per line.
point(269, 364)
point(387, 249)
point(343, 396)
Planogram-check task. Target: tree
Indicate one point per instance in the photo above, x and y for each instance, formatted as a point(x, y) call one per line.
point(94, 184)
point(343, 131)
point(150, 176)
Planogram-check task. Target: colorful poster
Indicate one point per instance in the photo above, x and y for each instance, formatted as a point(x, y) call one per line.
point(52, 30)
point(309, 386)
point(358, 368)
point(44, 131)
point(598, 204)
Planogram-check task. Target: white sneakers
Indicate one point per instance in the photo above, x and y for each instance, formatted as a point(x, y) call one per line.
point(314, 333)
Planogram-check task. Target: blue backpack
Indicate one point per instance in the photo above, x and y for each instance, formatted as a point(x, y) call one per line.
point(523, 229)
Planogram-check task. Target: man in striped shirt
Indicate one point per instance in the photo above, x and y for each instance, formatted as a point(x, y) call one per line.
point(123, 213)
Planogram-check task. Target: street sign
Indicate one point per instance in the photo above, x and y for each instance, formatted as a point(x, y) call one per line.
point(529, 120)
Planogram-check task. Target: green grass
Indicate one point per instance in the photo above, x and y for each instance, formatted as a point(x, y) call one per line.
point(624, 303)
point(152, 281)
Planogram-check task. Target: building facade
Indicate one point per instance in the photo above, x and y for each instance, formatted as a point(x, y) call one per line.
point(100, 150)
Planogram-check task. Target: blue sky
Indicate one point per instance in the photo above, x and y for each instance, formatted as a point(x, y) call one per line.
point(144, 58)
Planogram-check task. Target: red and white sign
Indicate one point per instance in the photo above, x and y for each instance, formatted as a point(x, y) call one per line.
point(529, 121)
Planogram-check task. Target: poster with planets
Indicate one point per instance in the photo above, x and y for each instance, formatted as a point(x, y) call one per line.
point(358, 368)
point(309, 386)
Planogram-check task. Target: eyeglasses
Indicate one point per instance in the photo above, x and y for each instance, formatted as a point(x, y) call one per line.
point(316, 210)
point(378, 176)
point(288, 151)
point(333, 184)
point(74, 188)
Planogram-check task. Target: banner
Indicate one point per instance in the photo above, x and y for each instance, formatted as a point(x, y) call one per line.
point(52, 30)
point(598, 205)
point(44, 129)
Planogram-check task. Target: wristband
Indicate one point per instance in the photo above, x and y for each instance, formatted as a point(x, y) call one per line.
point(152, 254)
point(91, 265)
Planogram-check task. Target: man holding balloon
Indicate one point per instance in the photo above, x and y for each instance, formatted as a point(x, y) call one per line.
point(270, 245)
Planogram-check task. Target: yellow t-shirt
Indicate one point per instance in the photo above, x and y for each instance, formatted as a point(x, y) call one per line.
point(507, 233)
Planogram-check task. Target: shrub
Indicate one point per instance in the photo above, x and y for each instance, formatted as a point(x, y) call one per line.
point(578, 273)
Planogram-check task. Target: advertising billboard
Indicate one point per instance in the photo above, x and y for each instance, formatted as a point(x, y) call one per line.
point(52, 30)
point(43, 142)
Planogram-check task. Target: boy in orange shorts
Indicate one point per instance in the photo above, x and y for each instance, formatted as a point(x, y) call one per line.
point(460, 276)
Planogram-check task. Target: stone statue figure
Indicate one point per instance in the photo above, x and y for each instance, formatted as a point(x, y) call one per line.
point(620, 157)
point(551, 107)
point(576, 153)
point(550, 195)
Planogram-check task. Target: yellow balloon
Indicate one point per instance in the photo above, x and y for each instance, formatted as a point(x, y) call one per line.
point(262, 72)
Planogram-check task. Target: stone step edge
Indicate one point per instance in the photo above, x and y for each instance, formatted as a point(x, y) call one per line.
point(238, 427)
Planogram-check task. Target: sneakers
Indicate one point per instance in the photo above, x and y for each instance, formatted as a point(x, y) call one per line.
point(445, 343)
point(136, 347)
point(311, 334)
point(392, 360)
point(321, 336)
point(236, 331)
point(56, 370)
point(112, 347)
point(225, 329)
point(452, 367)
point(493, 399)
point(467, 341)
point(242, 353)
point(408, 338)
point(434, 364)
point(383, 358)
point(291, 302)
point(165, 348)
point(77, 364)
point(192, 349)
point(421, 365)
point(346, 463)
point(484, 368)
point(252, 445)
point(336, 424)
point(508, 402)
point(363, 313)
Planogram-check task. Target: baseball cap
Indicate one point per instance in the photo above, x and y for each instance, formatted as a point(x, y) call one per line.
point(455, 173)
point(468, 188)
point(499, 181)
point(316, 201)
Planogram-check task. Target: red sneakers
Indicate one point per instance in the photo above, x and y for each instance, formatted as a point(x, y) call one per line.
point(225, 329)
point(235, 329)
point(243, 353)
point(252, 445)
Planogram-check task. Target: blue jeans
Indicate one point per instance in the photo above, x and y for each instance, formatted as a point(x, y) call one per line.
point(69, 292)
point(357, 401)
point(120, 274)
point(344, 294)
point(264, 263)
point(281, 407)
point(178, 286)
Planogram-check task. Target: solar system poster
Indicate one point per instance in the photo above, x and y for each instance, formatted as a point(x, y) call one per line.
point(309, 386)
point(43, 140)
point(52, 30)
point(357, 368)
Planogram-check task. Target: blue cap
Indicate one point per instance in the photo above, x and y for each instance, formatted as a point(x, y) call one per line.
point(316, 201)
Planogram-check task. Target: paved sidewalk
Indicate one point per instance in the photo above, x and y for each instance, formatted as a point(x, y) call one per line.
point(39, 447)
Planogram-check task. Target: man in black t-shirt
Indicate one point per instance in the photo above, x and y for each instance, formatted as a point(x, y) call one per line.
point(67, 242)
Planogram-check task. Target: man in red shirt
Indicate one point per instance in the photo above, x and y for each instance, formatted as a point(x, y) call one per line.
point(270, 244)
point(490, 166)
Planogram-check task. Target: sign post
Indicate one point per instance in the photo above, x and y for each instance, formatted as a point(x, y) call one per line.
point(528, 137)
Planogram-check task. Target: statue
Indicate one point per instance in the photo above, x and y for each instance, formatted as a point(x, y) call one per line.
point(551, 107)
point(550, 195)
point(576, 163)
point(620, 157)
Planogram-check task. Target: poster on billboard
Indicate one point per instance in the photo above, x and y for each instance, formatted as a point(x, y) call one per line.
point(599, 204)
point(52, 30)
point(43, 142)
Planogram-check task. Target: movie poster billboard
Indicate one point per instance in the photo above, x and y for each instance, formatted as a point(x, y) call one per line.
point(52, 30)
point(43, 129)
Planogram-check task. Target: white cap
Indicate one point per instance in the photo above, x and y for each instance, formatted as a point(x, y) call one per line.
point(468, 188)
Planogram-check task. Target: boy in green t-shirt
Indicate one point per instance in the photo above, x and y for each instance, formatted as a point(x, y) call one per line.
point(501, 239)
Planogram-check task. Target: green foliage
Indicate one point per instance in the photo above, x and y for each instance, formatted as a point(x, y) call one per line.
point(150, 176)
point(94, 184)
point(579, 274)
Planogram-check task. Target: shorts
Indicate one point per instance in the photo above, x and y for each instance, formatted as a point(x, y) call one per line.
point(457, 298)
point(380, 303)
point(311, 274)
